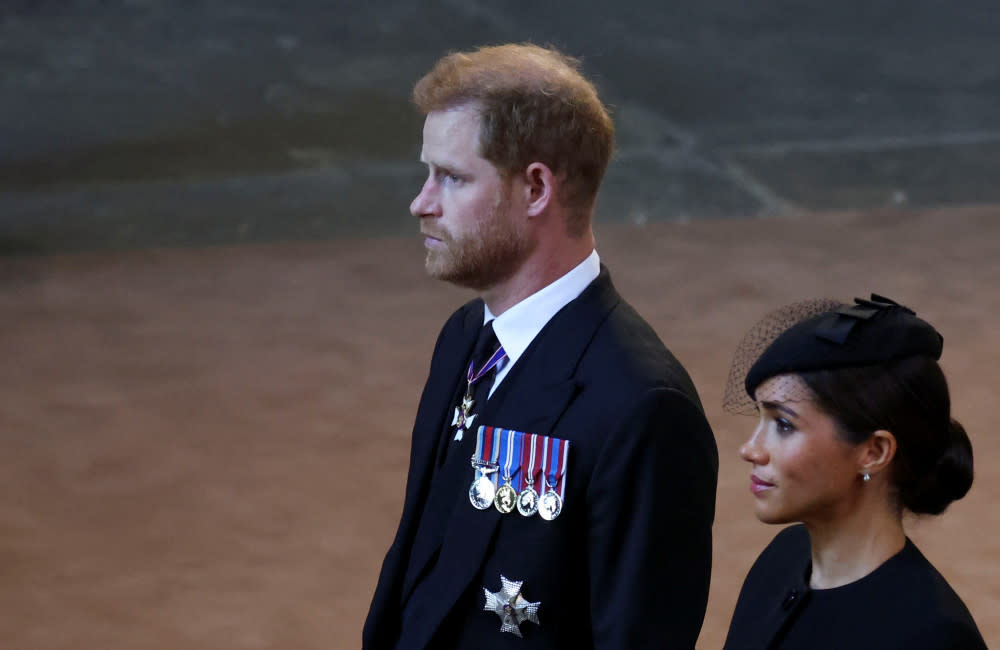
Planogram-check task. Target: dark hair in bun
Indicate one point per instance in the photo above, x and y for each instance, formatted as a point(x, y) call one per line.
point(909, 398)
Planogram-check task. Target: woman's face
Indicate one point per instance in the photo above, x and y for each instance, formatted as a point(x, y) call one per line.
point(802, 469)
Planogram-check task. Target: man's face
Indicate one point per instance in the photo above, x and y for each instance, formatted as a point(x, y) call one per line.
point(468, 212)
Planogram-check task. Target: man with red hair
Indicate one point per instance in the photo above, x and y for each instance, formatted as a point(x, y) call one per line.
point(548, 393)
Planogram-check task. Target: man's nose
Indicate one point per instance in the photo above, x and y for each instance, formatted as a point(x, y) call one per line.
point(425, 204)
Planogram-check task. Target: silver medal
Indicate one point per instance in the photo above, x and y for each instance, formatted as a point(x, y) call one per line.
point(550, 505)
point(481, 493)
point(527, 501)
point(505, 498)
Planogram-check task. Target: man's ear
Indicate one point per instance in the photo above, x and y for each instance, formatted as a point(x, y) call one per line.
point(877, 452)
point(540, 188)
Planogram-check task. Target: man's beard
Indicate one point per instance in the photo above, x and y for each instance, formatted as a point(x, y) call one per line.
point(484, 257)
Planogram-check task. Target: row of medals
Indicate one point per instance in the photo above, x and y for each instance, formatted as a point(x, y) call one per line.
point(482, 494)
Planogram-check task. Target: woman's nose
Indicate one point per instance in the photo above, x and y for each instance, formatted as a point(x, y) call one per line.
point(753, 450)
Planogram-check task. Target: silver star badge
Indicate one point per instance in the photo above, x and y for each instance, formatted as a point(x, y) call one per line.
point(512, 608)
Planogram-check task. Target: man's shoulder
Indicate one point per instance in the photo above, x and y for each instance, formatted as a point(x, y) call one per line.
point(626, 348)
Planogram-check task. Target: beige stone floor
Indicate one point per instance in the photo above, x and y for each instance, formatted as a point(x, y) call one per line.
point(204, 449)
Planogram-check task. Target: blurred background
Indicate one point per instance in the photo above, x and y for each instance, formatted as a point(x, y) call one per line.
point(215, 327)
point(131, 122)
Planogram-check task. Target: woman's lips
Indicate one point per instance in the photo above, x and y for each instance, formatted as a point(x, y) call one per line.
point(758, 485)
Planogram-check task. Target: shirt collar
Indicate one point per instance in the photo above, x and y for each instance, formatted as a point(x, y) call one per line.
point(517, 327)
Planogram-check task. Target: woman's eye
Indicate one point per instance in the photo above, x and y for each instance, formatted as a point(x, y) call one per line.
point(784, 426)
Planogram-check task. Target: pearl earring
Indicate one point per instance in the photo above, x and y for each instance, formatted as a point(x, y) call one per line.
point(866, 477)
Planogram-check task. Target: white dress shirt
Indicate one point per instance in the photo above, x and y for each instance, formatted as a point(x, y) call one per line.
point(517, 327)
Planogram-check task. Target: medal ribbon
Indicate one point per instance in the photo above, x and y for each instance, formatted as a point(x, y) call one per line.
point(545, 463)
point(488, 441)
point(487, 447)
point(557, 454)
point(511, 450)
point(481, 436)
point(497, 357)
point(495, 454)
point(562, 472)
point(531, 451)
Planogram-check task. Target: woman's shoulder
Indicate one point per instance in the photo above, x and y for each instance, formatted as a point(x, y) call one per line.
point(925, 584)
point(795, 536)
point(926, 604)
point(942, 631)
point(905, 603)
point(772, 591)
point(791, 543)
point(781, 568)
point(782, 560)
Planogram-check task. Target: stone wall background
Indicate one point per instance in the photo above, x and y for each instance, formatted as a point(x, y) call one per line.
point(146, 122)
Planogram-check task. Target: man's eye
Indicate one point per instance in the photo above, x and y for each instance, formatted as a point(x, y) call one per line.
point(445, 176)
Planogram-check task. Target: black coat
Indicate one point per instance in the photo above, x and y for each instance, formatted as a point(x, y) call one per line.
point(904, 604)
point(627, 563)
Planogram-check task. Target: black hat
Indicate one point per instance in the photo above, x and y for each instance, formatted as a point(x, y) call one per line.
point(865, 333)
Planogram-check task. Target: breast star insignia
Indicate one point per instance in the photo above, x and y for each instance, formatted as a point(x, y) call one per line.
point(463, 420)
point(512, 608)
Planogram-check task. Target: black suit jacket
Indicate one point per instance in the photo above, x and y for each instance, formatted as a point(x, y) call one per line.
point(905, 604)
point(627, 563)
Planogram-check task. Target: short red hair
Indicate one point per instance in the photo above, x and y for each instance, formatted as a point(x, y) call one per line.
point(536, 107)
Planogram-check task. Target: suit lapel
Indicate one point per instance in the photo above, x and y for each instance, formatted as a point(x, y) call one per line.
point(542, 384)
point(436, 408)
point(436, 404)
point(429, 431)
point(532, 398)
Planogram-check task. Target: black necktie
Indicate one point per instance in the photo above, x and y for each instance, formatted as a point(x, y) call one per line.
point(486, 346)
